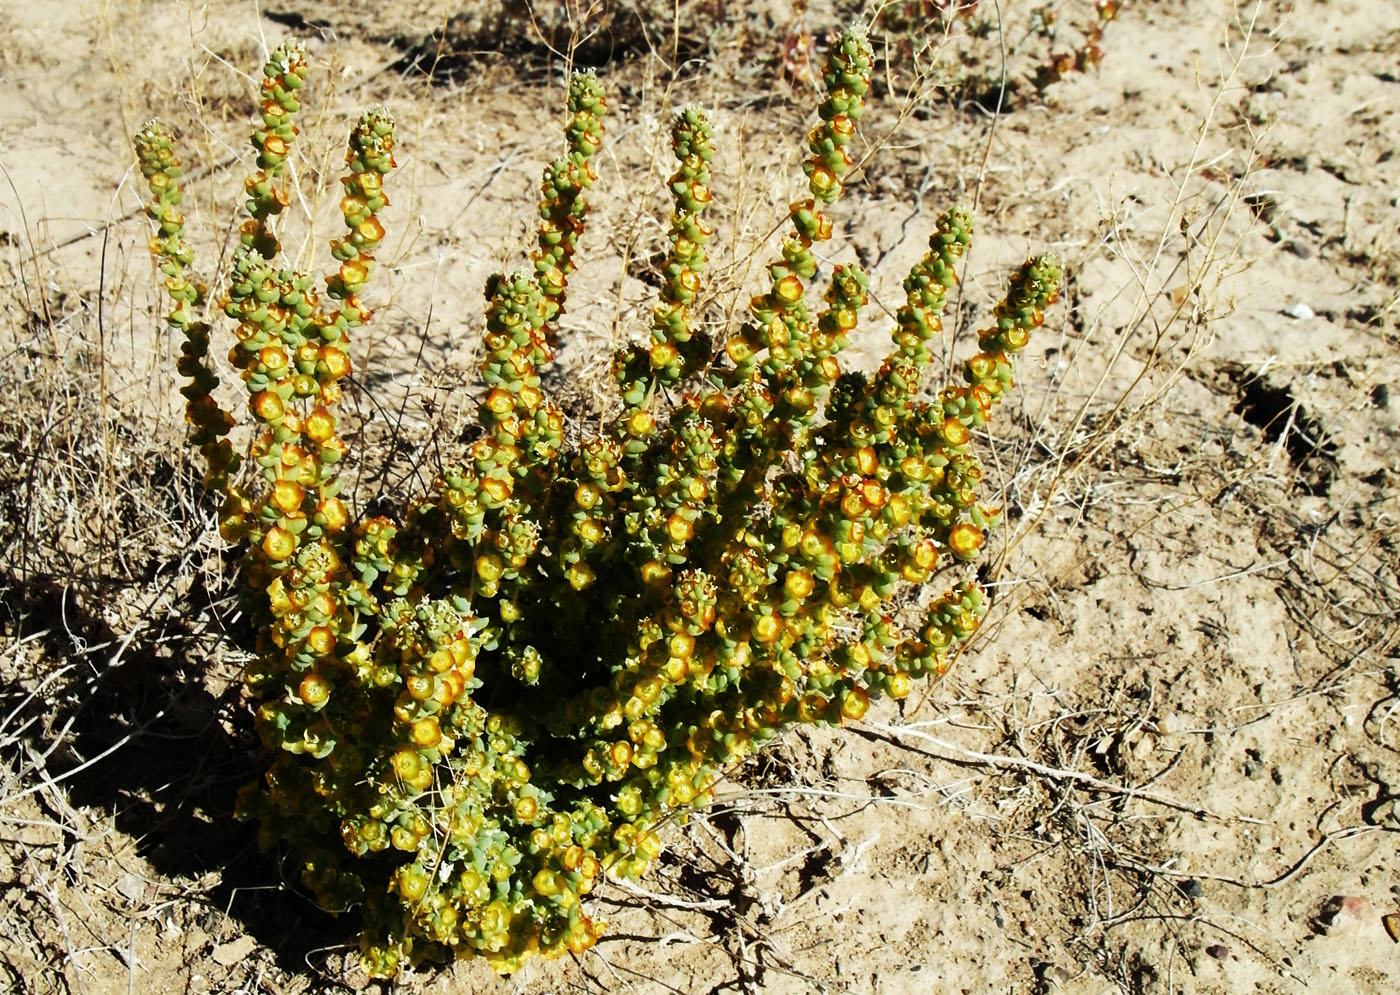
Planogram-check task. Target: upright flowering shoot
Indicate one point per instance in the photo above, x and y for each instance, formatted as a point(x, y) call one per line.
point(478, 707)
point(678, 349)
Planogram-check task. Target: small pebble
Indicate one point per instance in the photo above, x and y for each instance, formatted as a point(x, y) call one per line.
point(1343, 912)
point(229, 954)
point(1171, 723)
point(1391, 923)
point(1192, 888)
point(132, 888)
point(1218, 950)
point(1299, 311)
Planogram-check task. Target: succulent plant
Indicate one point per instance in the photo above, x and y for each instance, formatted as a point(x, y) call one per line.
point(479, 707)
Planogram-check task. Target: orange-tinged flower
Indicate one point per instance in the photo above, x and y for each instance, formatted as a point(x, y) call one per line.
point(273, 358)
point(662, 355)
point(965, 539)
point(799, 584)
point(621, 753)
point(982, 366)
point(679, 528)
point(267, 406)
point(426, 732)
point(333, 513)
point(354, 273)
point(739, 349)
point(873, 494)
point(821, 180)
point(899, 512)
point(591, 531)
point(546, 882)
point(788, 290)
point(681, 645)
point(767, 628)
point(353, 206)
point(337, 362)
point(648, 689)
point(579, 939)
point(496, 489)
point(499, 401)
point(586, 495)
point(319, 425)
point(811, 707)
point(321, 640)
point(288, 496)
point(854, 704)
point(413, 883)
point(407, 764)
point(314, 689)
point(489, 566)
point(420, 687)
point(279, 544)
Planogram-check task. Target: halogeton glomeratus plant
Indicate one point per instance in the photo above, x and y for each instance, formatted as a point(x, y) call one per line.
point(477, 708)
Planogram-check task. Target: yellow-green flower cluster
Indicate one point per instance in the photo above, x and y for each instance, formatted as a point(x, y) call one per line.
point(283, 76)
point(1018, 314)
point(563, 204)
point(480, 706)
point(209, 422)
point(677, 349)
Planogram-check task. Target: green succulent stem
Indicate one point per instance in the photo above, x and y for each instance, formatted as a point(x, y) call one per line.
point(678, 350)
point(563, 204)
point(209, 422)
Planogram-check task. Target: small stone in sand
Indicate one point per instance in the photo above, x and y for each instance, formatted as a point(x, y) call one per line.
point(229, 954)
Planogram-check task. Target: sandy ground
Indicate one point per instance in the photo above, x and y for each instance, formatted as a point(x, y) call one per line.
point(1170, 764)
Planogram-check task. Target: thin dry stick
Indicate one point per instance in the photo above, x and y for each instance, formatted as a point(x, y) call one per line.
point(897, 733)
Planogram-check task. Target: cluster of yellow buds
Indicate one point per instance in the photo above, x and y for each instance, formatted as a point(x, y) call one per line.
point(563, 204)
point(479, 707)
point(678, 349)
point(209, 423)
